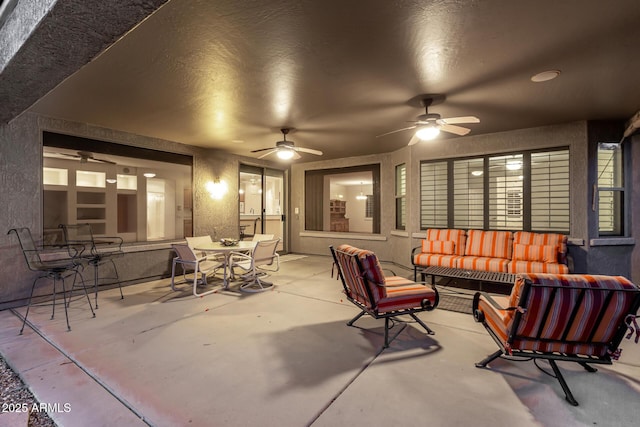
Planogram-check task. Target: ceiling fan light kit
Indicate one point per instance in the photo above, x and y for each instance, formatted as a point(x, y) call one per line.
point(286, 150)
point(429, 125)
point(427, 133)
point(285, 154)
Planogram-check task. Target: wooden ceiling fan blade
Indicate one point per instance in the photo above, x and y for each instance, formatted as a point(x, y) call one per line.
point(414, 140)
point(273, 150)
point(459, 120)
point(262, 149)
point(102, 161)
point(397, 130)
point(309, 150)
point(458, 130)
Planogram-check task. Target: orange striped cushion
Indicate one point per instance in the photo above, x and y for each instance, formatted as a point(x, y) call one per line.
point(427, 260)
point(537, 253)
point(492, 244)
point(442, 247)
point(446, 234)
point(583, 313)
point(479, 263)
point(528, 238)
point(537, 267)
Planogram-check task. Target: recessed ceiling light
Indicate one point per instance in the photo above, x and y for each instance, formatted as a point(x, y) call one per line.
point(545, 76)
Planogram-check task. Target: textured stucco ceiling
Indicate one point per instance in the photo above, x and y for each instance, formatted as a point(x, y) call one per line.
point(211, 73)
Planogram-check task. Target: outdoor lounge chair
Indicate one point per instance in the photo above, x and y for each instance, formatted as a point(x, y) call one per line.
point(56, 269)
point(564, 317)
point(377, 295)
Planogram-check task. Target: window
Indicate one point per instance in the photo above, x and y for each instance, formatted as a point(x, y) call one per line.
point(343, 199)
point(518, 191)
point(505, 192)
point(137, 194)
point(433, 195)
point(610, 189)
point(401, 193)
point(550, 191)
point(468, 193)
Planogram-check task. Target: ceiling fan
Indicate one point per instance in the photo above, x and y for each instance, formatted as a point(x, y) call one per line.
point(85, 157)
point(429, 125)
point(286, 149)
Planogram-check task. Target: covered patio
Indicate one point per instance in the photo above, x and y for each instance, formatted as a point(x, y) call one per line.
point(286, 358)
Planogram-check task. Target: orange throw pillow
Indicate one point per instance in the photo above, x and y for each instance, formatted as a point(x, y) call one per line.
point(443, 247)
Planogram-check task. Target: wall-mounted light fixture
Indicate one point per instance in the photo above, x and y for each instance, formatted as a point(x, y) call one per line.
point(217, 188)
point(111, 180)
point(149, 174)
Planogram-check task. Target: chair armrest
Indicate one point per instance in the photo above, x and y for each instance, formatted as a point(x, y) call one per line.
point(233, 255)
point(493, 302)
point(107, 245)
point(108, 241)
point(404, 284)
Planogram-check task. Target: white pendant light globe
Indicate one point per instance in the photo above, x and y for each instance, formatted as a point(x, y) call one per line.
point(427, 133)
point(285, 154)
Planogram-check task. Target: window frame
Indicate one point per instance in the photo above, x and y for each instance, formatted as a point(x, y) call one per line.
point(107, 217)
point(526, 204)
point(314, 191)
point(619, 215)
point(401, 196)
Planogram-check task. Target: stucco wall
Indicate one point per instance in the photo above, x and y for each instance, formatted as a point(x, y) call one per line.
point(21, 189)
point(396, 246)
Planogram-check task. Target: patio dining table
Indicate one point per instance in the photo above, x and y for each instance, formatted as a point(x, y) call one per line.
point(219, 248)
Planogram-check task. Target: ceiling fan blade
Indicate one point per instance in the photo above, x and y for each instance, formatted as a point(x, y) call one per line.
point(458, 130)
point(262, 149)
point(296, 156)
point(102, 161)
point(397, 130)
point(414, 140)
point(273, 150)
point(459, 120)
point(309, 150)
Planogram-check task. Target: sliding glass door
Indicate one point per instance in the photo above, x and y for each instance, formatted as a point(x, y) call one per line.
point(262, 203)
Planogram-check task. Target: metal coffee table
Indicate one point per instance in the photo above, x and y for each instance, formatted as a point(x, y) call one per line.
point(458, 273)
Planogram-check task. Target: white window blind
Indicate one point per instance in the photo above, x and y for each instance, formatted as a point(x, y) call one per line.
point(468, 193)
point(505, 192)
point(550, 191)
point(433, 195)
point(401, 192)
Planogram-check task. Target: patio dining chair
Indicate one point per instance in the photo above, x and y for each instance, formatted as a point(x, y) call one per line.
point(244, 234)
point(191, 262)
point(97, 250)
point(256, 264)
point(46, 261)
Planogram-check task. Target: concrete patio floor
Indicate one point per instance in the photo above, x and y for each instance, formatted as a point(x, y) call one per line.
point(286, 358)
